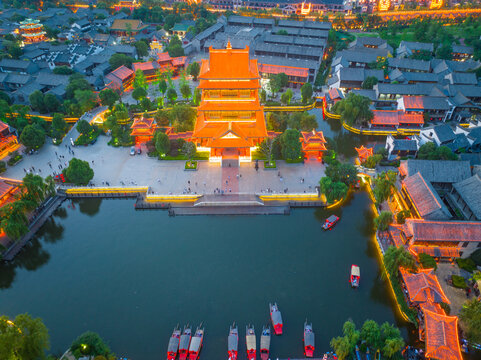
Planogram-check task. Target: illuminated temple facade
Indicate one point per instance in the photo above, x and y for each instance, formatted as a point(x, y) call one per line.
point(230, 119)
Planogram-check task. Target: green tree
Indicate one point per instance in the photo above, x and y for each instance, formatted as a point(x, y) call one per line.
point(427, 261)
point(182, 117)
point(344, 346)
point(394, 257)
point(51, 102)
point(117, 60)
point(286, 97)
point(369, 82)
point(76, 82)
point(306, 92)
point(371, 334)
point(383, 220)
point(86, 99)
point(24, 338)
point(372, 161)
point(162, 143)
point(139, 80)
point(341, 347)
point(189, 150)
point(266, 147)
point(277, 121)
point(171, 95)
point(197, 97)
point(185, 91)
point(62, 70)
point(402, 215)
point(14, 221)
point(162, 86)
point(345, 173)
point(430, 151)
point(89, 344)
point(139, 93)
point(33, 136)
point(142, 48)
point(392, 339)
point(35, 187)
point(384, 183)
point(470, 315)
point(277, 82)
point(108, 97)
point(354, 109)
point(84, 127)
point(263, 95)
point(290, 144)
point(333, 191)
point(175, 47)
point(445, 52)
point(37, 101)
point(78, 172)
point(194, 70)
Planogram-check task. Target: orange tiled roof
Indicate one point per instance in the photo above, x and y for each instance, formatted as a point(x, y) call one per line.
point(452, 231)
point(121, 24)
point(122, 72)
point(364, 152)
point(142, 123)
point(178, 61)
point(229, 64)
point(288, 70)
point(142, 132)
point(442, 341)
point(433, 307)
point(435, 251)
point(423, 286)
point(163, 57)
point(395, 118)
point(3, 126)
point(413, 102)
point(145, 66)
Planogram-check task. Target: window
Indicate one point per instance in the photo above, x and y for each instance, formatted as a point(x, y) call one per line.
point(465, 244)
point(479, 245)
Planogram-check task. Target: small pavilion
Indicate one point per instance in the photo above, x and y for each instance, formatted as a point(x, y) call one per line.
point(363, 153)
point(313, 144)
point(143, 129)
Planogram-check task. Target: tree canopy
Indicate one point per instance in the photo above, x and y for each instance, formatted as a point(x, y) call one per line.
point(430, 151)
point(89, 344)
point(33, 136)
point(162, 143)
point(117, 60)
point(333, 190)
point(354, 109)
point(342, 172)
point(108, 97)
point(290, 144)
point(78, 172)
point(194, 70)
point(470, 315)
point(306, 92)
point(383, 220)
point(394, 257)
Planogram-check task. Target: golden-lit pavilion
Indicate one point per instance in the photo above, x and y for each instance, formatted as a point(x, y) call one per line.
point(32, 31)
point(230, 119)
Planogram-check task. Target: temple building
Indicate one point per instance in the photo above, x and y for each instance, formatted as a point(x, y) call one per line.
point(8, 140)
point(363, 153)
point(143, 129)
point(230, 120)
point(32, 31)
point(313, 144)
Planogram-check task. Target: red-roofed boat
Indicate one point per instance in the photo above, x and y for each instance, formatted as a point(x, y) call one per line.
point(185, 342)
point(251, 342)
point(330, 222)
point(173, 344)
point(233, 342)
point(276, 318)
point(355, 276)
point(309, 343)
point(265, 342)
point(196, 343)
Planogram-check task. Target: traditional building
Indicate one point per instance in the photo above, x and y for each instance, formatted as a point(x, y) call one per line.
point(363, 153)
point(120, 79)
point(8, 141)
point(143, 129)
point(230, 120)
point(423, 286)
point(313, 144)
point(32, 31)
point(442, 341)
point(127, 27)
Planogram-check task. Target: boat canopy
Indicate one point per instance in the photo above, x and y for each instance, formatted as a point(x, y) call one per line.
point(309, 339)
point(184, 341)
point(173, 344)
point(232, 342)
point(195, 344)
point(355, 271)
point(276, 317)
point(265, 342)
point(332, 218)
point(251, 342)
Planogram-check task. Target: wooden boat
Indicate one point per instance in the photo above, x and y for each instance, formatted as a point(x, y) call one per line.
point(309, 344)
point(265, 342)
point(196, 343)
point(330, 222)
point(233, 342)
point(355, 276)
point(184, 342)
point(276, 319)
point(173, 344)
point(251, 342)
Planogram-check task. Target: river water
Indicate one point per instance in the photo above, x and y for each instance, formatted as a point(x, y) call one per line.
point(132, 276)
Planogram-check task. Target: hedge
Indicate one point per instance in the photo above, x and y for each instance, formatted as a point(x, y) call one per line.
point(458, 282)
point(467, 264)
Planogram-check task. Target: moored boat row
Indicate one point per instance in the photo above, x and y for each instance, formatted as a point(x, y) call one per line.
point(186, 345)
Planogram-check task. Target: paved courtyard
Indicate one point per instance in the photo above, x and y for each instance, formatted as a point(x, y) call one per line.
point(116, 167)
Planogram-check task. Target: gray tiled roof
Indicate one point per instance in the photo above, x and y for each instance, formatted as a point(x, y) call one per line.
point(441, 171)
point(444, 133)
point(470, 191)
point(411, 64)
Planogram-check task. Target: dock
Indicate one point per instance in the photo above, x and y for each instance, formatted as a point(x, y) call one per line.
point(47, 209)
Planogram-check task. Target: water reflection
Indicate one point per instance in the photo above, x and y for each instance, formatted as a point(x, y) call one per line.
point(88, 207)
point(33, 255)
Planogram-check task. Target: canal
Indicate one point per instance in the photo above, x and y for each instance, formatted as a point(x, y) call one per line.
point(132, 276)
